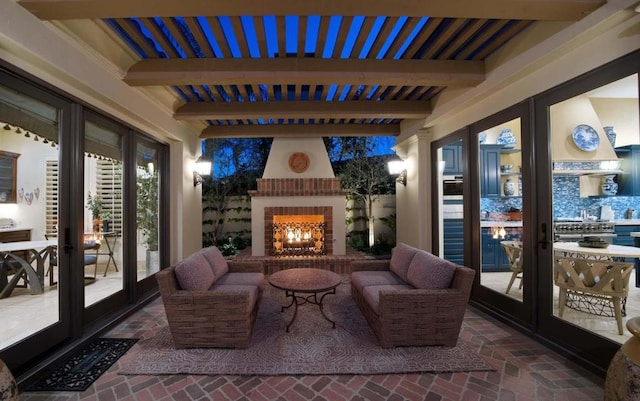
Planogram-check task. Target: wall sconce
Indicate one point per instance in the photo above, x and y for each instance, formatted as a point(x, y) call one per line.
point(203, 167)
point(398, 167)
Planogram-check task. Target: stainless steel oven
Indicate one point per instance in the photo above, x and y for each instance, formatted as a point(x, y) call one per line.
point(572, 230)
point(452, 187)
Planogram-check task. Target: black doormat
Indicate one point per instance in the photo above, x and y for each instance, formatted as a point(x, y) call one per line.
point(79, 371)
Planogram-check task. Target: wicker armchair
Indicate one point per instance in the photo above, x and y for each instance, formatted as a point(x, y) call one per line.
point(222, 317)
point(592, 285)
point(408, 316)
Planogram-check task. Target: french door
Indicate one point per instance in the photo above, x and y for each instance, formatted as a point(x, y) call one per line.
point(522, 172)
point(32, 127)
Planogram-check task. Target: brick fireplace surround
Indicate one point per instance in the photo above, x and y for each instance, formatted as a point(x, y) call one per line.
point(300, 196)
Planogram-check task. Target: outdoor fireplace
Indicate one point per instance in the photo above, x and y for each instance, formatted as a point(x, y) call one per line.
point(295, 235)
point(298, 208)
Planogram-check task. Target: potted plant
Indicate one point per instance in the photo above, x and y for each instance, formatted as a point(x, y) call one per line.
point(147, 214)
point(105, 216)
point(94, 204)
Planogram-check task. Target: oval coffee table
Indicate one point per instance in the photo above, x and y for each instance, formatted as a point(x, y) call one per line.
point(306, 281)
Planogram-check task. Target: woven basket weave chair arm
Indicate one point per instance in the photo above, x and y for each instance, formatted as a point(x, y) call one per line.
point(463, 280)
point(203, 298)
point(246, 267)
point(376, 265)
point(393, 302)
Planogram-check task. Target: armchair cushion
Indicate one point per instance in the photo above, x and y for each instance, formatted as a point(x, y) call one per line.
point(401, 257)
point(216, 260)
point(429, 271)
point(241, 279)
point(363, 279)
point(195, 273)
point(371, 294)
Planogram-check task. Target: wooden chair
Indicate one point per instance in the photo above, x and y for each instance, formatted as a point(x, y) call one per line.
point(592, 280)
point(513, 249)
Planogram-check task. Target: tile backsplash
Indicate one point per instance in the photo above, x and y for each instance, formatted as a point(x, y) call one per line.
point(568, 203)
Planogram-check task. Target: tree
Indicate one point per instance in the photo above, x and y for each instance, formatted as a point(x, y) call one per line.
point(365, 176)
point(238, 162)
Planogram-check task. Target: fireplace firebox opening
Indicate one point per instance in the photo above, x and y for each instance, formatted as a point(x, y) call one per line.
point(295, 235)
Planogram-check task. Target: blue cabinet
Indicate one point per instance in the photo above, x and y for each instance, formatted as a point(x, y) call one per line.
point(490, 171)
point(453, 240)
point(493, 257)
point(629, 181)
point(624, 235)
point(452, 157)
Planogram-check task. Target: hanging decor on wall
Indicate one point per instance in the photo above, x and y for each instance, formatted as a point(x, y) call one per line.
point(28, 197)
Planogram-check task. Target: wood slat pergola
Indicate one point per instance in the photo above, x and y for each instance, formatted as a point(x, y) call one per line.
point(308, 68)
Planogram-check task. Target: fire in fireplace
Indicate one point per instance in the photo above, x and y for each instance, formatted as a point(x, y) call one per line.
point(295, 235)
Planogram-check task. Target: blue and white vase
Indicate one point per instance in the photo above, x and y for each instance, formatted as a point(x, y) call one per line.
point(509, 188)
point(611, 135)
point(506, 138)
point(609, 187)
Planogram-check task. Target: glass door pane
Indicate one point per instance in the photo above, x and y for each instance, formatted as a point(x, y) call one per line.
point(501, 225)
point(148, 206)
point(595, 148)
point(450, 161)
point(29, 210)
point(103, 215)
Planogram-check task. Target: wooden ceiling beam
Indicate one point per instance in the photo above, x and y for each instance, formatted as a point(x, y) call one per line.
point(202, 71)
point(303, 109)
point(551, 10)
point(299, 130)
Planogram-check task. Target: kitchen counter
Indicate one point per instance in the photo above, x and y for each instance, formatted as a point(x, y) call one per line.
point(498, 223)
point(627, 222)
point(11, 229)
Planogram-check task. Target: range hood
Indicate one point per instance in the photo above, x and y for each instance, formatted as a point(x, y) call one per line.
point(568, 158)
point(587, 167)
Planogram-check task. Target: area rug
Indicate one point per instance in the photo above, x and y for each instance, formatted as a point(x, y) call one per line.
point(83, 368)
point(311, 347)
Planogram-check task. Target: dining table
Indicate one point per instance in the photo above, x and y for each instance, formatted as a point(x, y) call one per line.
point(24, 260)
point(612, 251)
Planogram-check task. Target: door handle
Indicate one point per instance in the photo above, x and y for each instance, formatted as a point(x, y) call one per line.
point(66, 247)
point(543, 239)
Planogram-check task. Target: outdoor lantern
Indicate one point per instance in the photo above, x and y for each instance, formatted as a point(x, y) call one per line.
point(203, 167)
point(398, 167)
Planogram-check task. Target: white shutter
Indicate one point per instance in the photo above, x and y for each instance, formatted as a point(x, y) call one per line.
point(109, 188)
point(51, 198)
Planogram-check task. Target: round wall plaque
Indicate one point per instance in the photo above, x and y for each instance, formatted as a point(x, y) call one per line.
point(299, 162)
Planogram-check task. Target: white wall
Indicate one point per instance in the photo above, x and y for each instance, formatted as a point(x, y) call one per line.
point(282, 148)
point(30, 175)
